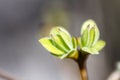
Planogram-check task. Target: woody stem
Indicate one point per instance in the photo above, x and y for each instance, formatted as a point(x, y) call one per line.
point(82, 66)
point(7, 76)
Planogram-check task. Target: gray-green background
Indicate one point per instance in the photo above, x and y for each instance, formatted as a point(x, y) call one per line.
point(23, 22)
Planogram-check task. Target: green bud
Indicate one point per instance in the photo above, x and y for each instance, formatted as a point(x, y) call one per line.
point(89, 38)
point(60, 43)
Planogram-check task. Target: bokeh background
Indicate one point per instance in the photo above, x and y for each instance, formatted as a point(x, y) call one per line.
point(23, 22)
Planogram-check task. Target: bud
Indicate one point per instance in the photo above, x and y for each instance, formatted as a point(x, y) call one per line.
point(60, 43)
point(89, 38)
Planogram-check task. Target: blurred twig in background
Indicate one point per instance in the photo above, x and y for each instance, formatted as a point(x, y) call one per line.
point(5, 75)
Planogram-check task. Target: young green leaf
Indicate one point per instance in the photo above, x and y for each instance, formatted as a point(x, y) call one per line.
point(64, 35)
point(85, 37)
point(54, 31)
point(91, 23)
point(79, 42)
point(66, 55)
point(90, 50)
point(91, 36)
point(74, 54)
point(74, 41)
point(67, 38)
point(58, 40)
point(47, 43)
point(99, 45)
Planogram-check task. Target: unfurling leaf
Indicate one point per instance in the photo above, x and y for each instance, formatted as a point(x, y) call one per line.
point(89, 38)
point(99, 45)
point(90, 50)
point(85, 37)
point(47, 43)
point(60, 44)
point(91, 23)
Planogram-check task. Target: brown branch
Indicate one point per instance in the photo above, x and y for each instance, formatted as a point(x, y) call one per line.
point(82, 66)
point(5, 75)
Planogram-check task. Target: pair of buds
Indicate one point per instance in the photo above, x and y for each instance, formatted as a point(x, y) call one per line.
point(62, 45)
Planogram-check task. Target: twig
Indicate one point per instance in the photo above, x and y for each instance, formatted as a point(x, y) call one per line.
point(82, 66)
point(7, 76)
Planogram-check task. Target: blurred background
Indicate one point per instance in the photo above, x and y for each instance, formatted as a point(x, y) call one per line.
point(23, 22)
